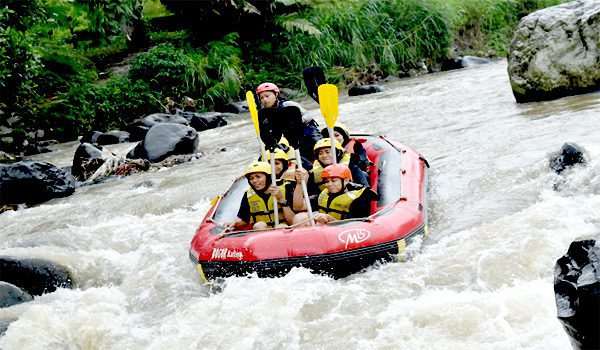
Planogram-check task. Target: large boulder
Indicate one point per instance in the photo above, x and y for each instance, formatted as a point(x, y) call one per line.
point(34, 276)
point(158, 118)
point(113, 137)
point(139, 128)
point(33, 182)
point(165, 139)
point(137, 131)
point(87, 159)
point(12, 295)
point(555, 52)
point(577, 293)
point(205, 121)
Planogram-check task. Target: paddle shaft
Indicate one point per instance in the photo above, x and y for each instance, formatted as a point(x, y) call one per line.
point(330, 130)
point(263, 153)
point(305, 190)
point(274, 182)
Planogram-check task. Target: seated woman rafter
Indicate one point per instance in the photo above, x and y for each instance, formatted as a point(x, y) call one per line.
point(340, 199)
point(256, 207)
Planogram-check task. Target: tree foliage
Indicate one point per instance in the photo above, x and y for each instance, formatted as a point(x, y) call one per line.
point(108, 17)
point(19, 65)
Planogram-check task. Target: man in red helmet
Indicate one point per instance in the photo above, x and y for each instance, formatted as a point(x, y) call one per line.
point(341, 199)
point(269, 95)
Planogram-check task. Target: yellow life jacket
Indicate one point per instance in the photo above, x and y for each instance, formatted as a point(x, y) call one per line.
point(339, 207)
point(317, 170)
point(261, 211)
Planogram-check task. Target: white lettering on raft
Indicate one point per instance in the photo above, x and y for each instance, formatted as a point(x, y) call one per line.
point(224, 253)
point(353, 236)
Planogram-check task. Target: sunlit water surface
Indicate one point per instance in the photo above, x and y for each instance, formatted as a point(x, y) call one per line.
point(483, 280)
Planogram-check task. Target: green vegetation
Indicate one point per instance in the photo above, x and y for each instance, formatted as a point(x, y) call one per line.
point(484, 27)
point(153, 9)
point(56, 55)
point(393, 35)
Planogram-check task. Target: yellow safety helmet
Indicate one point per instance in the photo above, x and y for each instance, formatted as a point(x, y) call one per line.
point(339, 127)
point(279, 154)
point(258, 167)
point(326, 142)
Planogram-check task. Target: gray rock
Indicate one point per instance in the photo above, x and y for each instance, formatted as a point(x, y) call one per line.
point(205, 121)
point(364, 90)
point(570, 154)
point(86, 161)
point(137, 132)
point(158, 118)
point(555, 52)
point(577, 293)
point(90, 137)
point(33, 182)
point(113, 137)
point(12, 295)
point(164, 140)
point(34, 276)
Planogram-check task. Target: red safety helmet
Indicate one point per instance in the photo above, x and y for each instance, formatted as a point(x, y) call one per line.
point(337, 170)
point(267, 87)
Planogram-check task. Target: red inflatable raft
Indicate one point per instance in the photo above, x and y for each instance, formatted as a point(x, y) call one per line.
point(399, 175)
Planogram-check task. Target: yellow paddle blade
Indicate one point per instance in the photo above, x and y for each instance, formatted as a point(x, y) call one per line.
point(328, 100)
point(253, 110)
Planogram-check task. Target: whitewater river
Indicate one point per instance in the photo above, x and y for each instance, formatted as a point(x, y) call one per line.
point(483, 279)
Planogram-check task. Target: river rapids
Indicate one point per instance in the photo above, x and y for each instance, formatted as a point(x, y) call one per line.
point(482, 280)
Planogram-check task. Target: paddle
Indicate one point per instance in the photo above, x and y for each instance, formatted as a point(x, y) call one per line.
point(313, 77)
point(254, 117)
point(292, 127)
point(259, 131)
point(328, 97)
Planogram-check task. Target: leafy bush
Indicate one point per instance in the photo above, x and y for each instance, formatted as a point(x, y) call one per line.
point(104, 55)
point(63, 66)
point(100, 107)
point(154, 8)
point(20, 14)
point(178, 38)
point(19, 69)
point(224, 69)
point(169, 70)
point(105, 17)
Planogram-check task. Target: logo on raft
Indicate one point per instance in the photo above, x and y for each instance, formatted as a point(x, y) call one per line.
point(354, 236)
point(224, 253)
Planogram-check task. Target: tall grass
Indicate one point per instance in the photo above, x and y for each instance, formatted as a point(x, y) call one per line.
point(393, 34)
